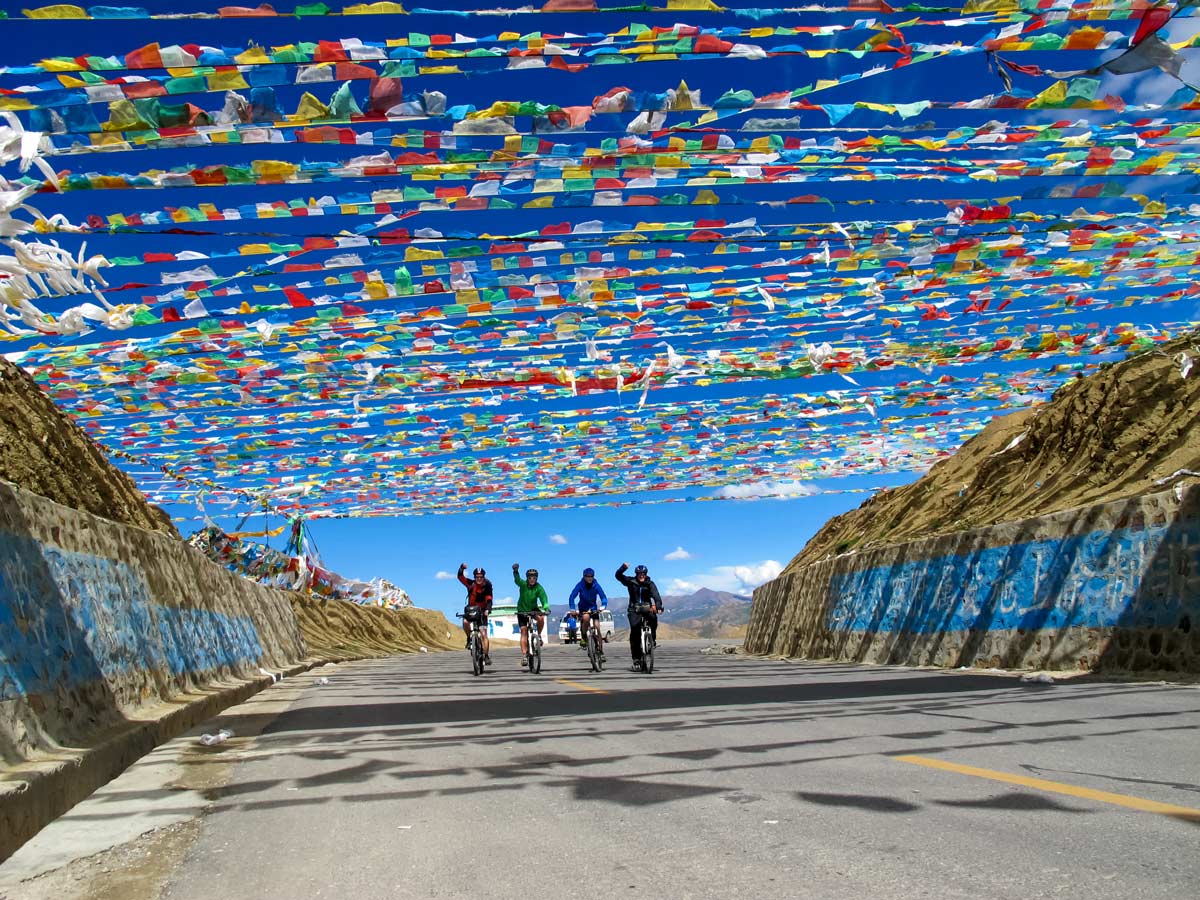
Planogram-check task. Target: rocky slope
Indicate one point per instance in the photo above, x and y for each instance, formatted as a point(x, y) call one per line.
point(1124, 431)
point(44, 452)
point(335, 629)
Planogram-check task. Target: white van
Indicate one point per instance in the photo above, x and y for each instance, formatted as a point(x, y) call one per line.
point(565, 623)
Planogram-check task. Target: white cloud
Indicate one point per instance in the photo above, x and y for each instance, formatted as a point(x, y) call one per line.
point(504, 601)
point(735, 579)
point(777, 489)
point(678, 553)
point(558, 538)
point(443, 576)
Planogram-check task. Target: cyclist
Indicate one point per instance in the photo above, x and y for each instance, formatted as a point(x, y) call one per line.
point(642, 592)
point(479, 594)
point(532, 604)
point(588, 590)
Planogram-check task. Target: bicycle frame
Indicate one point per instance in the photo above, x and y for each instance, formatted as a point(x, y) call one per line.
point(533, 637)
point(475, 645)
point(647, 639)
point(595, 641)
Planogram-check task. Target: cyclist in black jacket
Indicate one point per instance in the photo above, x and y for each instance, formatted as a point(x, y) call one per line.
point(642, 591)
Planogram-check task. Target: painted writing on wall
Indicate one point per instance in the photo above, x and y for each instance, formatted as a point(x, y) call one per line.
point(1098, 580)
point(67, 619)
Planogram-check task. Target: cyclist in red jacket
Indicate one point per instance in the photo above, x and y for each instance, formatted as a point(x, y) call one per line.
point(479, 593)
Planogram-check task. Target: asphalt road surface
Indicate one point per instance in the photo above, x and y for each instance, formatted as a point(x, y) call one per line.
point(716, 777)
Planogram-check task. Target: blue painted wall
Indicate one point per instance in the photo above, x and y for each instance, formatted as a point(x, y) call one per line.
point(68, 619)
point(1045, 584)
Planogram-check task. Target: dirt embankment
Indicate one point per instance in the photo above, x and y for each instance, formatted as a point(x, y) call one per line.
point(42, 451)
point(335, 629)
point(1115, 434)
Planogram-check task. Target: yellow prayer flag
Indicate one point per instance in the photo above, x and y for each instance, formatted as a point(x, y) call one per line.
point(374, 9)
point(57, 11)
point(254, 56)
point(311, 108)
point(1054, 95)
point(226, 81)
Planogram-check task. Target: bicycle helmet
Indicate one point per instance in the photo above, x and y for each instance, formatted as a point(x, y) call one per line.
point(591, 572)
point(641, 570)
point(478, 572)
point(531, 573)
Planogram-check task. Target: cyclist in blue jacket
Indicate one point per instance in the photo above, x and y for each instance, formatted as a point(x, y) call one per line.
point(591, 599)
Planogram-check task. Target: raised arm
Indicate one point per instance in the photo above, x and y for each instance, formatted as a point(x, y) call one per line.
point(462, 568)
point(622, 577)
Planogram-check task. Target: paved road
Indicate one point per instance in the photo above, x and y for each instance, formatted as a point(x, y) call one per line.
point(715, 777)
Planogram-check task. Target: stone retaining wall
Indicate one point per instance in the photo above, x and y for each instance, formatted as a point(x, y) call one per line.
point(1114, 586)
point(99, 621)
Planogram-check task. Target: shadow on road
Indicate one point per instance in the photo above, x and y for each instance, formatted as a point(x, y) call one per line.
point(549, 705)
point(499, 734)
point(859, 801)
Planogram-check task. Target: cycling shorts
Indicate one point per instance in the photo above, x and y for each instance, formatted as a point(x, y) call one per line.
point(523, 618)
point(587, 606)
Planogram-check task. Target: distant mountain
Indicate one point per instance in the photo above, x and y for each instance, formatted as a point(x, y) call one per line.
point(708, 613)
point(699, 604)
point(705, 613)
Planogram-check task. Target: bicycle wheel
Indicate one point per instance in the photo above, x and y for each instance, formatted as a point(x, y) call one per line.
point(599, 651)
point(535, 654)
point(647, 650)
point(593, 651)
point(477, 655)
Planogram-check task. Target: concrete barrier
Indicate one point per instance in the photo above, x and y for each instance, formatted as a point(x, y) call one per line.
point(1114, 586)
point(111, 638)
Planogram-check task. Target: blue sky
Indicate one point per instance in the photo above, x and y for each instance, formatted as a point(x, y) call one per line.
point(723, 545)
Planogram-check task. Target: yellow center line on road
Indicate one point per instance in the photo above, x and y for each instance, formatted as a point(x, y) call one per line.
point(1179, 812)
point(582, 687)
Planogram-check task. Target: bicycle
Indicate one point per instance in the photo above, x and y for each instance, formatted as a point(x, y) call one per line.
point(535, 646)
point(593, 640)
point(646, 663)
point(474, 640)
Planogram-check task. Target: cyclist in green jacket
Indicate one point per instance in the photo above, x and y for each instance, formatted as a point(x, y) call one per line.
point(532, 604)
